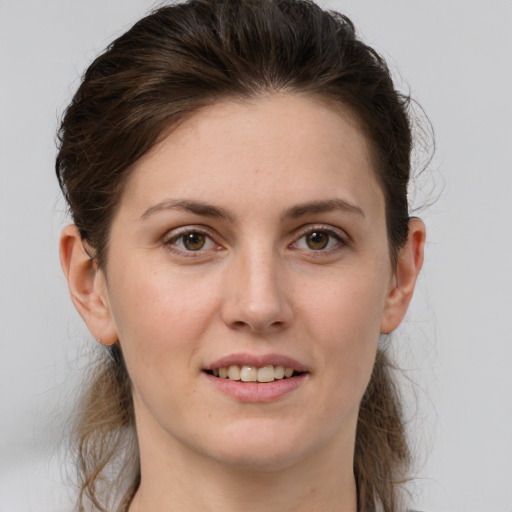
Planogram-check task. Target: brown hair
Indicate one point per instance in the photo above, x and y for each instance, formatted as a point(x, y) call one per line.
point(171, 63)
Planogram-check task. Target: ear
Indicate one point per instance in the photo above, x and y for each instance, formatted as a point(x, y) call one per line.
point(87, 286)
point(408, 266)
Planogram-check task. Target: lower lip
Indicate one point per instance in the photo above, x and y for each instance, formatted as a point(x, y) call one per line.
point(257, 391)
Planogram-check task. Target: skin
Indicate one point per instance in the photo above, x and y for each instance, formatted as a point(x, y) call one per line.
point(256, 287)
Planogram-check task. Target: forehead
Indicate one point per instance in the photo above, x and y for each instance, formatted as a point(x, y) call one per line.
point(282, 147)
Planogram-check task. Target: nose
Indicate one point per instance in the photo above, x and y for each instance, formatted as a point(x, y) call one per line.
point(256, 295)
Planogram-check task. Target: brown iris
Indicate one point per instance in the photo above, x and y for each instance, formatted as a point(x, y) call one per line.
point(317, 240)
point(194, 241)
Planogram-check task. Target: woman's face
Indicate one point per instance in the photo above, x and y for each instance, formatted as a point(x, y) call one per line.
point(253, 236)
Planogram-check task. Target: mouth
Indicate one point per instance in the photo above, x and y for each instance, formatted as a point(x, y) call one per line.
point(251, 373)
point(257, 378)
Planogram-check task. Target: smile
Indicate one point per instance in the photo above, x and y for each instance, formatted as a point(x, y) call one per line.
point(250, 373)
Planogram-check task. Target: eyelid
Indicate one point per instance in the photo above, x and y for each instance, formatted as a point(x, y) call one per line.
point(342, 237)
point(175, 234)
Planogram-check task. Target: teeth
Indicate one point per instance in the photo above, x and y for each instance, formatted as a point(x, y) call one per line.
point(249, 374)
point(278, 372)
point(266, 374)
point(253, 373)
point(234, 372)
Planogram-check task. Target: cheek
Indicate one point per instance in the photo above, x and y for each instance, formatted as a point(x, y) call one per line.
point(344, 317)
point(161, 317)
point(346, 306)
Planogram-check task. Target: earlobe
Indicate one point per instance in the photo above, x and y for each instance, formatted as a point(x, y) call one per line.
point(409, 263)
point(87, 286)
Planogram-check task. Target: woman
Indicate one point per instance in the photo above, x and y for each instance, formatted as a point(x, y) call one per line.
point(237, 176)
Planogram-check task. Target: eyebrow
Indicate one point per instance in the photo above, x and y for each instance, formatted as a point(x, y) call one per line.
point(196, 207)
point(209, 210)
point(328, 205)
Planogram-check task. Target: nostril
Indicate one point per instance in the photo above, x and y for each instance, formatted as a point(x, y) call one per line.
point(240, 324)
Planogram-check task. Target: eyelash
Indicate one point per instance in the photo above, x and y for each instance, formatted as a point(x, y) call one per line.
point(172, 240)
point(341, 241)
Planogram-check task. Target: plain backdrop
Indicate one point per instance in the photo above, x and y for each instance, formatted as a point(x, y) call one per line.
point(455, 58)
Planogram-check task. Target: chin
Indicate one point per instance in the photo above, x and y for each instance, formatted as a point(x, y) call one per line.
point(262, 460)
point(260, 448)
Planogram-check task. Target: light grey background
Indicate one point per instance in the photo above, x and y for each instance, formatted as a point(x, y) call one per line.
point(455, 56)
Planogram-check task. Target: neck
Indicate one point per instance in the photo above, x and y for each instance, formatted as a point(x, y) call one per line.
point(174, 478)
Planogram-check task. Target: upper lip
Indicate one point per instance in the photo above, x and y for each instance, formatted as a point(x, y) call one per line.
point(244, 359)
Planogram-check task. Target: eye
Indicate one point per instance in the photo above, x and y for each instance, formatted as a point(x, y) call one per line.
point(190, 241)
point(319, 239)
